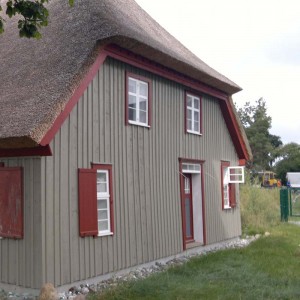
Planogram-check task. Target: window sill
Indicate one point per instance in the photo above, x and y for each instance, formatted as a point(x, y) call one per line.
point(104, 234)
point(138, 124)
point(194, 132)
point(227, 207)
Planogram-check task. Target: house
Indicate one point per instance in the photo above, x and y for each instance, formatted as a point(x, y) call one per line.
point(116, 147)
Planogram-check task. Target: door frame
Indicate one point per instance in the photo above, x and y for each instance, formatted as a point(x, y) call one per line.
point(182, 202)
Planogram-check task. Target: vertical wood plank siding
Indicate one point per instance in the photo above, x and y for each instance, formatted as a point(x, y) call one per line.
point(20, 260)
point(147, 209)
point(145, 175)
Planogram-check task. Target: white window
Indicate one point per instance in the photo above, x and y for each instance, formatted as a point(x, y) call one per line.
point(191, 168)
point(193, 114)
point(230, 176)
point(138, 102)
point(236, 175)
point(226, 186)
point(103, 202)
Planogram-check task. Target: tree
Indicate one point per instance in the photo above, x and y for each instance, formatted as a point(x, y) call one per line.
point(257, 124)
point(289, 160)
point(34, 15)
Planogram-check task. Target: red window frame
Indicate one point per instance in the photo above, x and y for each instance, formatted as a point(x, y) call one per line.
point(231, 186)
point(200, 114)
point(147, 80)
point(87, 198)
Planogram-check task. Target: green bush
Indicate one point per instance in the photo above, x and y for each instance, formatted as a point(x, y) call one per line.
point(260, 208)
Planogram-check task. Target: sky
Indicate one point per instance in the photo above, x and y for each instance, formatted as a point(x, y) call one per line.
point(254, 43)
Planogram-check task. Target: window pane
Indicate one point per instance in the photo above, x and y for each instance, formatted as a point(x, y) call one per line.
point(191, 168)
point(188, 217)
point(196, 116)
point(132, 114)
point(226, 195)
point(102, 215)
point(102, 204)
point(143, 88)
point(196, 127)
point(143, 117)
point(103, 225)
point(101, 176)
point(236, 174)
point(189, 124)
point(189, 101)
point(186, 185)
point(225, 176)
point(143, 104)
point(101, 187)
point(101, 182)
point(132, 86)
point(132, 101)
point(189, 114)
point(196, 103)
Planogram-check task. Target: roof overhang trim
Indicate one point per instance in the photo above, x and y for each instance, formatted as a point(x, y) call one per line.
point(19, 152)
point(126, 56)
point(136, 60)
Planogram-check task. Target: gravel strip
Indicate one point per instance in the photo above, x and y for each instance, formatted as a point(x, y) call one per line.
point(80, 292)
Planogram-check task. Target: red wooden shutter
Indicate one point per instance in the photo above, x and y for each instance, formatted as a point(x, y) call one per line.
point(11, 202)
point(232, 197)
point(87, 183)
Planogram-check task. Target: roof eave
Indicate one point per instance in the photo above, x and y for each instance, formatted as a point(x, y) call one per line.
point(135, 46)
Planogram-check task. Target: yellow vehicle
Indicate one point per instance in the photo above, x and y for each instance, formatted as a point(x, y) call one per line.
point(268, 179)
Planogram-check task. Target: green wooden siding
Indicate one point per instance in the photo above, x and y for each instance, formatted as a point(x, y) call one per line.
point(147, 209)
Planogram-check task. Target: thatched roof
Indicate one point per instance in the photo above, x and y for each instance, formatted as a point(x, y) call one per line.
point(37, 78)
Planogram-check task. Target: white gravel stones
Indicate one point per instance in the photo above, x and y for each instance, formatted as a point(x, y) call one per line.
point(79, 292)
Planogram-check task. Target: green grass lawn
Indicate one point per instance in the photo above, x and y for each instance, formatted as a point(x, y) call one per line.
point(267, 269)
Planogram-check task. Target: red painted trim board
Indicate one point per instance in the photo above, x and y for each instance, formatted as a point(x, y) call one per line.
point(37, 151)
point(74, 99)
point(233, 129)
point(137, 61)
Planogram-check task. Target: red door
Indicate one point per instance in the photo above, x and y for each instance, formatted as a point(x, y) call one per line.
point(188, 208)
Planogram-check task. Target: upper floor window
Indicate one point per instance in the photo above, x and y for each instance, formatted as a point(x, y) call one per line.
point(193, 114)
point(138, 100)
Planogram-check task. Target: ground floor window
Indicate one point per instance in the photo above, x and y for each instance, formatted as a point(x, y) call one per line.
point(103, 201)
point(96, 200)
point(230, 176)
